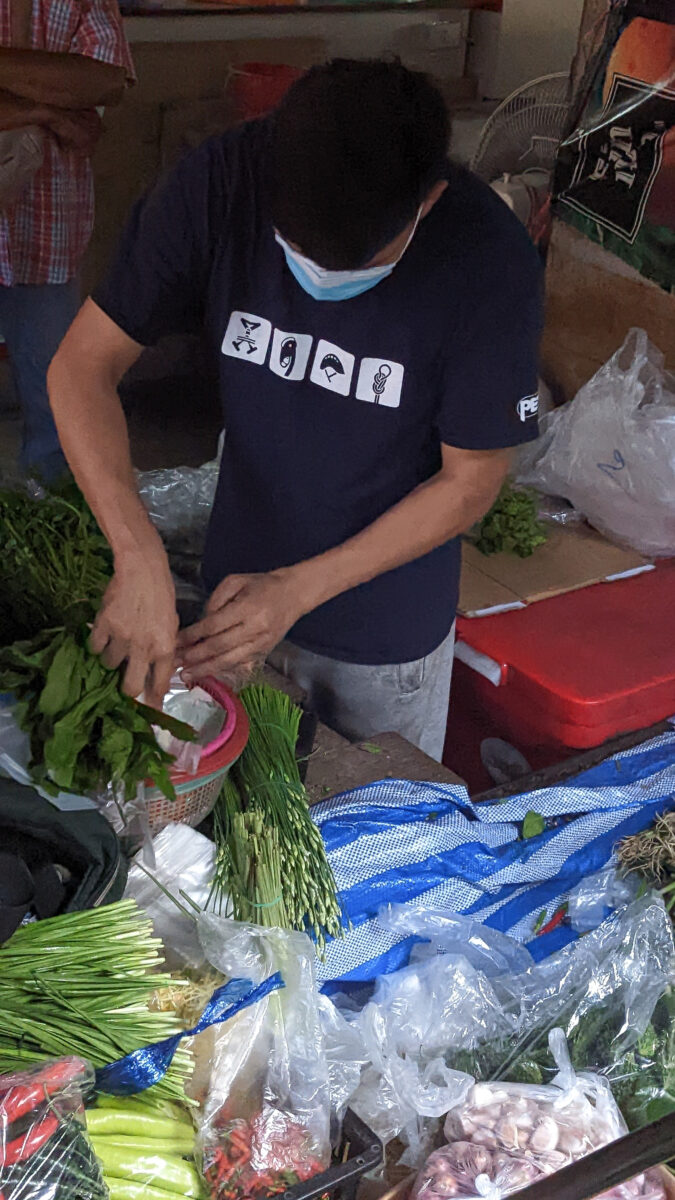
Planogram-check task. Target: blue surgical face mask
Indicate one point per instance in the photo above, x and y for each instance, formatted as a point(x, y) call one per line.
point(322, 284)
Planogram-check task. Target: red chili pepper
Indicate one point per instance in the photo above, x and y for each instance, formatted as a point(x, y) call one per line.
point(24, 1097)
point(22, 1148)
point(556, 920)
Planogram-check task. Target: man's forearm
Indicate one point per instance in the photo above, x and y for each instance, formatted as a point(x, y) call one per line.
point(94, 437)
point(71, 81)
point(435, 512)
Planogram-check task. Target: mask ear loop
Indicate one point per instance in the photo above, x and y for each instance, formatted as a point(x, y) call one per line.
point(413, 231)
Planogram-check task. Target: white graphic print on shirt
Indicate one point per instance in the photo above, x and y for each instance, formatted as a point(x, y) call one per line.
point(247, 337)
point(333, 368)
point(290, 354)
point(380, 382)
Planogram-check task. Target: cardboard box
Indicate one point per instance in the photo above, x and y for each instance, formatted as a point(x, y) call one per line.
point(574, 556)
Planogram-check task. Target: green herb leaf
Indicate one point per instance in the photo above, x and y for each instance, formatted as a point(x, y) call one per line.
point(533, 824)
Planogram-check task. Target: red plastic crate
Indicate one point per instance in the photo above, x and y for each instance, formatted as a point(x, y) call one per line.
point(575, 671)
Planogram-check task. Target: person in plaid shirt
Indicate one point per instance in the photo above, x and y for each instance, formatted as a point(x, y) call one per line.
point(59, 61)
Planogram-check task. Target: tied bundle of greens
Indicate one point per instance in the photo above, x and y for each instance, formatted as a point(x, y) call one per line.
point(81, 984)
point(85, 733)
point(271, 860)
point(55, 563)
point(511, 524)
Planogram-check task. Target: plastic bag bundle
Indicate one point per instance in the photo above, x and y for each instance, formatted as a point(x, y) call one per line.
point(179, 502)
point(45, 1153)
point(611, 451)
point(266, 1120)
point(506, 1136)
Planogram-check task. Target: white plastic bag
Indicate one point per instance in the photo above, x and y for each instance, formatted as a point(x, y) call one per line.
point(183, 866)
point(266, 1119)
point(611, 451)
point(415, 1016)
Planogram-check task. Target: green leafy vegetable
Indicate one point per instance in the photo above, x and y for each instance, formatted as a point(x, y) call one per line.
point(511, 524)
point(84, 732)
point(55, 563)
point(533, 824)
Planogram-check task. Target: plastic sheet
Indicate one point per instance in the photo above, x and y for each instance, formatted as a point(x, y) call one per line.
point(485, 949)
point(611, 451)
point(266, 1120)
point(182, 865)
point(45, 1153)
point(597, 895)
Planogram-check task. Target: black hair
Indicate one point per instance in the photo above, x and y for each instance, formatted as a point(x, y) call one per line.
point(356, 146)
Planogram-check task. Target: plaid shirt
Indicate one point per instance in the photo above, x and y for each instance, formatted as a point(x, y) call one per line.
point(45, 233)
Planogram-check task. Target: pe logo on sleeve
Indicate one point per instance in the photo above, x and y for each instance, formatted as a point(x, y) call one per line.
point(380, 382)
point(528, 407)
point(247, 337)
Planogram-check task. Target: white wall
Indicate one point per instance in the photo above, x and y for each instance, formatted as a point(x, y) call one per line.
point(530, 38)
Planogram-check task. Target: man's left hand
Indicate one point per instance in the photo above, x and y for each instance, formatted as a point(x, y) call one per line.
point(246, 617)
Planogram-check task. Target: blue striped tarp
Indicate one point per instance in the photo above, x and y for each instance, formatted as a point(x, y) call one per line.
point(395, 841)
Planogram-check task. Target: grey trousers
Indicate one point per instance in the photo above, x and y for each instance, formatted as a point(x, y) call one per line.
point(359, 701)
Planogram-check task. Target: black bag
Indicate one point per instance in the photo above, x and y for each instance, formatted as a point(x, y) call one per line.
point(51, 861)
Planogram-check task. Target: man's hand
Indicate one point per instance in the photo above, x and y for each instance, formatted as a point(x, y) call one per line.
point(246, 617)
point(137, 624)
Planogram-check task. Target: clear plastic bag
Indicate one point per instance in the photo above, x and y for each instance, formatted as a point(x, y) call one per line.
point(179, 502)
point(416, 1016)
point(444, 932)
point(550, 1125)
point(45, 1153)
point(590, 900)
point(611, 451)
point(609, 992)
point(182, 865)
point(506, 1136)
point(266, 1119)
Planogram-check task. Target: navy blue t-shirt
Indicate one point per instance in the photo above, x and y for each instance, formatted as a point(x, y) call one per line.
point(336, 410)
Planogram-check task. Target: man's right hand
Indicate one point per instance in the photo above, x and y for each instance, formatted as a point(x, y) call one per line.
point(137, 624)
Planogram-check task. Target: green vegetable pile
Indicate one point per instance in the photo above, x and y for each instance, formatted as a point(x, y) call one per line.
point(271, 860)
point(145, 1147)
point(511, 524)
point(642, 1078)
point(55, 563)
point(80, 984)
point(85, 734)
point(84, 731)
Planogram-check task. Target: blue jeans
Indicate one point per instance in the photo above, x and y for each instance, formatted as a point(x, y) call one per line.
point(33, 322)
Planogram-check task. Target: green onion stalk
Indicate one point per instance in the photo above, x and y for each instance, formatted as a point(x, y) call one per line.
point(81, 983)
point(271, 861)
